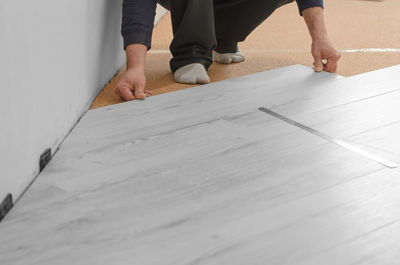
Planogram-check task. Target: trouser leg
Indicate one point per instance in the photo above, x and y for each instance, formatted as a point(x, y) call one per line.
point(236, 19)
point(194, 32)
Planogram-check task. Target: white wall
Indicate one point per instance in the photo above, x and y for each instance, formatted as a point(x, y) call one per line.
point(54, 58)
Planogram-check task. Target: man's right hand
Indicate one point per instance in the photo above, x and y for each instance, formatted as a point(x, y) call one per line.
point(132, 85)
point(133, 82)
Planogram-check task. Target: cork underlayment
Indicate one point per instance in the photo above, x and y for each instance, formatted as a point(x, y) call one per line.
point(366, 32)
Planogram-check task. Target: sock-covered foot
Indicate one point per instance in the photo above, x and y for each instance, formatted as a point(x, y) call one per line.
point(194, 73)
point(225, 58)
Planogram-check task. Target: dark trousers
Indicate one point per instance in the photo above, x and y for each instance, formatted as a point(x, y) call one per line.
point(201, 26)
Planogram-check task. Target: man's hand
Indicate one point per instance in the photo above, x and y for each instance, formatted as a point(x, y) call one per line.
point(132, 85)
point(325, 55)
point(133, 82)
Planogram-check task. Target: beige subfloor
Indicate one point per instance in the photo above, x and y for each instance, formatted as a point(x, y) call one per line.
point(283, 40)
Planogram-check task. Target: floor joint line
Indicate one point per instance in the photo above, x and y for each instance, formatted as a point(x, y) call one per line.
point(339, 142)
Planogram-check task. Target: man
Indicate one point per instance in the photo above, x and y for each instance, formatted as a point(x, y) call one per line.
point(205, 30)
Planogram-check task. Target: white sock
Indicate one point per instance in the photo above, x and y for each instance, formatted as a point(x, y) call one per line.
point(194, 73)
point(226, 58)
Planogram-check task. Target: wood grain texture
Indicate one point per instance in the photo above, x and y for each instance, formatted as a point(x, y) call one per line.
point(194, 178)
point(364, 109)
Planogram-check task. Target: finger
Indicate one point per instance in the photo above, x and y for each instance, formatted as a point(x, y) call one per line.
point(330, 65)
point(332, 62)
point(334, 70)
point(318, 65)
point(148, 92)
point(139, 91)
point(124, 92)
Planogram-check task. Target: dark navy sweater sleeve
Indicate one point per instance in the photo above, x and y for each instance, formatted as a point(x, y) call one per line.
point(138, 21)
point(304, 4)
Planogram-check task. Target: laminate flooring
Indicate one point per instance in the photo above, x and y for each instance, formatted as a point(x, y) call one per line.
point(203, 177)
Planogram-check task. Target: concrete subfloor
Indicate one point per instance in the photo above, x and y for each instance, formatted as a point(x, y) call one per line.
point(283, 40)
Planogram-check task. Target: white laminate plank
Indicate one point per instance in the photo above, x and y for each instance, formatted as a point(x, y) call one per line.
point(297, 86)
point(344, 91)
point(356, 117)
point(283, 84)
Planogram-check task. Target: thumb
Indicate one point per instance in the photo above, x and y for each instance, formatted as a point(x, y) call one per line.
point(318, 65)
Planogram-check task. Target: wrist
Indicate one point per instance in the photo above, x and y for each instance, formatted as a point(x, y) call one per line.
point(319, 36)
point(136, 56)
point(135, 68)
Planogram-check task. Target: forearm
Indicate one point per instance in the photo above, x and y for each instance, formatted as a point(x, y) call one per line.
point(325, 54)
point(314, 18)
point(136, 56)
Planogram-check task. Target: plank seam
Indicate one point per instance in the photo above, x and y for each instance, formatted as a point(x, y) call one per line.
point(328, 138)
